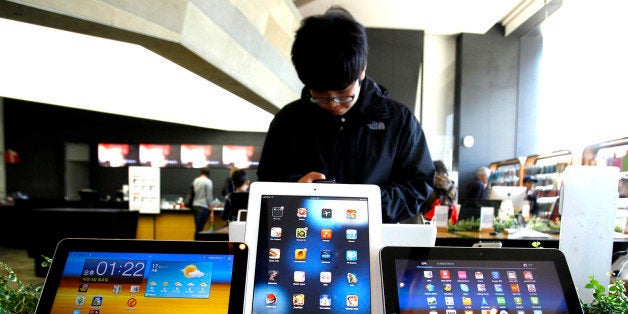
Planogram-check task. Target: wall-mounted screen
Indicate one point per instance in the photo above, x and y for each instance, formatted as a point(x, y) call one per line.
point(160, 155)
point(199, 156)
point(242, 157)
point(117, 155)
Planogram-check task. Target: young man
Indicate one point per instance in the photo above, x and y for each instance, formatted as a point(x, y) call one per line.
point(203, 197)
point(345, 127)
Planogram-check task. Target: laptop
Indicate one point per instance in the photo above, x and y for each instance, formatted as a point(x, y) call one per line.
point(477, 280)
point(145, 276)
point(314, 248)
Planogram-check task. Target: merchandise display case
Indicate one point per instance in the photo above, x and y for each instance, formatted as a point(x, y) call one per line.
point(506, 173)
point(611, 153)
point(548, 169)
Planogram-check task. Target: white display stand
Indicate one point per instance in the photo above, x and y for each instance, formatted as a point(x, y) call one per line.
point(588, 205)
point(487, 215)
point(144, 189)
point(441, 216)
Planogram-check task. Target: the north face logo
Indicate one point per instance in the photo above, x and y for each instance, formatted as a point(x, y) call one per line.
point(377, 125)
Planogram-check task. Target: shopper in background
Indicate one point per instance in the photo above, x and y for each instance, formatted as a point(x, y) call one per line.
point(345, 127)
point(203, 197)
point(444, 193)
point(530, 183)
point(228, 187)
point(239, 198)
point(478, 188)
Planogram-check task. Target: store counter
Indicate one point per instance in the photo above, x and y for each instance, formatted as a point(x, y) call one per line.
point(174, 224)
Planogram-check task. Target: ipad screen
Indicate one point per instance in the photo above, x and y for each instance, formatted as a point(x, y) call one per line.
point(312, 255)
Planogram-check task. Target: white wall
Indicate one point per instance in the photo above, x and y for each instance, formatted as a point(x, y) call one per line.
point(439, 74)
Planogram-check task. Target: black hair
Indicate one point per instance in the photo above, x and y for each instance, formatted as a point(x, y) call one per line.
point(330, 51)
point(239, 177)
point(205, 171)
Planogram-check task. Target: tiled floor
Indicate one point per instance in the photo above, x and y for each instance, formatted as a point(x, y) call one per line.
point(22, 265)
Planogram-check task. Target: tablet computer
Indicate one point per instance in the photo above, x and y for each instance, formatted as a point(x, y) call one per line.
point(477, 280)
point(314, 248)
point(145, 276)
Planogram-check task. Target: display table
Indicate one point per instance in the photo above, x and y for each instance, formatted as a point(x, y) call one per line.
point(173, 224)
point(468, 238)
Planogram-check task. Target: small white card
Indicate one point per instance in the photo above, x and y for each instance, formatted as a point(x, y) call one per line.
point(441, 216)
point(487, 214)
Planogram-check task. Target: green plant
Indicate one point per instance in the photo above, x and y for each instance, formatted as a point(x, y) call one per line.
point(470, 224)
point(615, 301)
point(16, 296)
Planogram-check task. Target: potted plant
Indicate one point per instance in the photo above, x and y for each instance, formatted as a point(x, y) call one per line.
point(16, 296)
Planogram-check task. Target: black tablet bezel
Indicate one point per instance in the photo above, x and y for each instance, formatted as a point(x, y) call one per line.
point(389, 254)
point(237, 249)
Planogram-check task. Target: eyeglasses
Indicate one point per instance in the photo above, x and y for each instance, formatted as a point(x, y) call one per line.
point(337, 99)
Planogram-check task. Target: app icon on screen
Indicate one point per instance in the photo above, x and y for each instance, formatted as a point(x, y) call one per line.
point(273, 276)
point(352, 214)
point(325, 277)
point(301, 212)
point(300, 254)
point(534, 300)
point(326, 213)
point(301, 233)
point(275, 232)
point(481, 287)
point(352, 255)
point(429, 287)
point(325, 255)
point(531, 287)
point(326, 233)
point(431, 300)
point(514, 287)
point(97, 301)
point(352, 300)
point(447, 287)
point(298, 299)
point(324, 300)
point(444, 274)
point(428, 274)
point(449, 301)
point(527, 275)
point(271, 298)
point(512, 275)
point(274, 253)
point(352, 234)
point(299, 276)
point(464, 287)
point(462, 275)
point(501, 301)
point(518, 300)
point(466, 301)
point(495, 275)
point(83, 287)
point(498, 288)
point(352, 279)
point(479, 275)
point(277, 211)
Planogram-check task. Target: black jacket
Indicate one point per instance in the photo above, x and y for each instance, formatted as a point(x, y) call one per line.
point(378, 141)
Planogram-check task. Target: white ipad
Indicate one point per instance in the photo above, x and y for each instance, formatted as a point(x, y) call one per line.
point(314, 247)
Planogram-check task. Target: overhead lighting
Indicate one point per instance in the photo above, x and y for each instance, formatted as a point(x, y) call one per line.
point(57, 67)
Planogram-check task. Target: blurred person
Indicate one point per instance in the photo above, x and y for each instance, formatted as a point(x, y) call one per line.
point(478, 188)
point(345, 127)
point(444, 193)
point(239, 198)
point(228, 187)
point(530, 183)
point(203, 197)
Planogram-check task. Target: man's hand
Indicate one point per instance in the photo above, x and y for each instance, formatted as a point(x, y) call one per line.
point(310, 177)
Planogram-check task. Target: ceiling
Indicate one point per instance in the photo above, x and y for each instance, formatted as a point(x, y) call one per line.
point(435, 17)
point(32, 65)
